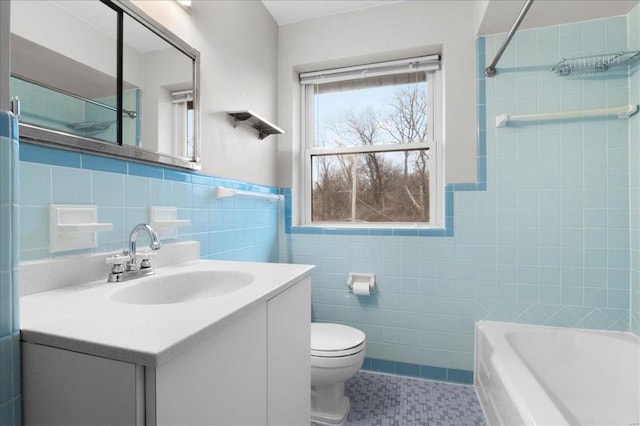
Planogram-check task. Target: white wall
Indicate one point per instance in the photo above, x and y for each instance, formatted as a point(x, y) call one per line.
point(480, 9)
point(5, 70)
point(392, 31)
point(238, 44)
point(51, 26)
point(159, 81)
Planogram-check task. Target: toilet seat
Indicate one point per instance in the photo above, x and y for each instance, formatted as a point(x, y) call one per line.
point(335, 340)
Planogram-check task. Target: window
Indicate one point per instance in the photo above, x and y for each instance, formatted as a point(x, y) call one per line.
point(183, 120)
point(371, 135)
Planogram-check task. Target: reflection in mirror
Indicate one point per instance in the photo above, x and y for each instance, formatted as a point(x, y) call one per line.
point(64, 66)
point(165, 92)
point(64, 81)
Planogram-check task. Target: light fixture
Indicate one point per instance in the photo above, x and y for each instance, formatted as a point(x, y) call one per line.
point(184, 3)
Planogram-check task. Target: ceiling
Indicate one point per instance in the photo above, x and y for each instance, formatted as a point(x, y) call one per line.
point(289, 11)
point(98, 16)
point(499, 16)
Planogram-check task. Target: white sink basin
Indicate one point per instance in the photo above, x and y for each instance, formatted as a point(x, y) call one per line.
point(184, 287)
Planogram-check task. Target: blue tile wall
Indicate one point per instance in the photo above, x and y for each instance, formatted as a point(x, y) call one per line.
point(233, 229)
point(10, 392)
point(634, 174)
point(542, 237)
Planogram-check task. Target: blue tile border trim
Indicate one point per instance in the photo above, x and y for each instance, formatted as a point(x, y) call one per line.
point(46, 155)
point(452, 375)
point(449, 189)
point(145, 170)
point(52, 156)
point(5, 125)
point(104, 164)
point(8, 125)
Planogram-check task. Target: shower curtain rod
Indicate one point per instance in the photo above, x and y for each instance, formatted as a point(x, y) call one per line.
point(490, 71)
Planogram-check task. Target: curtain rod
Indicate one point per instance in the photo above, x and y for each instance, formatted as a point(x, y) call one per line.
point(430, 59)
point(490, 71)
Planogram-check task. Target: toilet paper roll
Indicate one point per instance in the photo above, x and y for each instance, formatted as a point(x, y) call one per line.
point(361, 289)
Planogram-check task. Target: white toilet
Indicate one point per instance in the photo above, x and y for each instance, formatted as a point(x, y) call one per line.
point(337, 353)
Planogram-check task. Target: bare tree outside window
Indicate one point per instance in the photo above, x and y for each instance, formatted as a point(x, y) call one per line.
point(390, 185)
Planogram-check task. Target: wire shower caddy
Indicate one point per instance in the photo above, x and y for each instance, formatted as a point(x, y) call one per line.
point(594, 64)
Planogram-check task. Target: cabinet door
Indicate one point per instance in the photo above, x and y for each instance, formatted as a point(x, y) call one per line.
point(222, 380)
point(61, 387)
point(289, 356)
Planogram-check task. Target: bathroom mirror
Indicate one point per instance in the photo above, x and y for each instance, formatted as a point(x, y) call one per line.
point(101, 76)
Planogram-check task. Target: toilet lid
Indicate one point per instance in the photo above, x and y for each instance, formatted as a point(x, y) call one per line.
point(335, 339)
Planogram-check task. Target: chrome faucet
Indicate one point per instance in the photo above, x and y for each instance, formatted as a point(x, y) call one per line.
point(133, 236)
point(125, 265)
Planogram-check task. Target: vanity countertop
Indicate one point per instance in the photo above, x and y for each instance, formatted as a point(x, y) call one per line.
point(84, 318)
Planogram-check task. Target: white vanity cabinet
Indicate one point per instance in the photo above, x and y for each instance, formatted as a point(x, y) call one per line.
point(221, 381)
point(289, 356)
point(62, 387)
point(252, 369)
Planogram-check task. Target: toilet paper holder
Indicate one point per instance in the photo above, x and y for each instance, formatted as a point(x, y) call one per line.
point(357, 280)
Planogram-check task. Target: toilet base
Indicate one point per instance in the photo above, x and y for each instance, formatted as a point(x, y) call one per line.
point(329, 404)
point(332, 418)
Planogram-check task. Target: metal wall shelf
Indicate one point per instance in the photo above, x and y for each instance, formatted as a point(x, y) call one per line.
point(263, 127)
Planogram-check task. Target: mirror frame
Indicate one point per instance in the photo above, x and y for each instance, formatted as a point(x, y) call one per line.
point(43, 136)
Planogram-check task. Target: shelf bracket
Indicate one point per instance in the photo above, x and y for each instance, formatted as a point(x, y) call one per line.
point(264, 127)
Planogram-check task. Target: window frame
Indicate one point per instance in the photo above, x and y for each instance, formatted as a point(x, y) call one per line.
point(434, 144)
point(182, 104)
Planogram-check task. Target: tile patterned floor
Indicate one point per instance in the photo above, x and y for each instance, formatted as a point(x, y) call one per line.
point(384, 400)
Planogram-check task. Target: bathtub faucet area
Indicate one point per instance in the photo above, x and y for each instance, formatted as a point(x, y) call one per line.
point(125, 266)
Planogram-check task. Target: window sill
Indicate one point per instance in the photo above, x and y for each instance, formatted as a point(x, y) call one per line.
point(406, 231)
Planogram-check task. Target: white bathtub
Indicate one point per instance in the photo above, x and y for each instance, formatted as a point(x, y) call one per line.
point(536, 375)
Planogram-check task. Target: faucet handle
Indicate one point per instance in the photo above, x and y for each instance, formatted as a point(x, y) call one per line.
point(146, 254)
point(118, 264)
point(117, 259)
point(145, 257)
